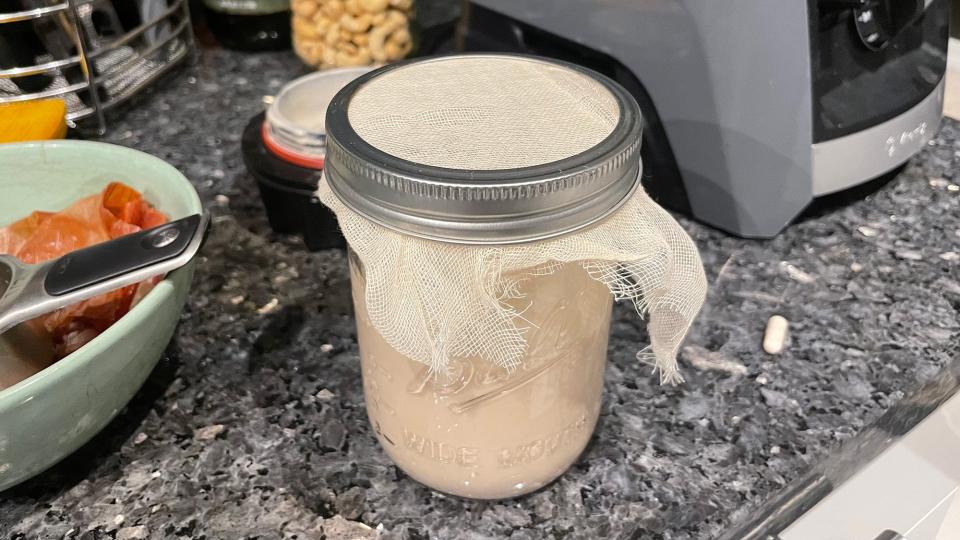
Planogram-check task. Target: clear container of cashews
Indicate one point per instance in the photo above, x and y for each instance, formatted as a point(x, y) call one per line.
point(340, 33)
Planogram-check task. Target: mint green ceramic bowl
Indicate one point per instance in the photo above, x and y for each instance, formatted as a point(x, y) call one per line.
point(49, 415)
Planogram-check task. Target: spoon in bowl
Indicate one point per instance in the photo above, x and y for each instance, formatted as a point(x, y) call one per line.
point(30, 290)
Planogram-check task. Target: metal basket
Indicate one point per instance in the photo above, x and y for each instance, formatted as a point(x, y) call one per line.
point(90, 61)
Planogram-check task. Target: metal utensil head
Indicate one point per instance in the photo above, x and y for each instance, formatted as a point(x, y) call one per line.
point(15, 280)
point(6, 274)
point(23, 351)
point(41, 288)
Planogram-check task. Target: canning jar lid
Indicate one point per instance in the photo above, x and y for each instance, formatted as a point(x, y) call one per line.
point(483, 148)
point(294, 126)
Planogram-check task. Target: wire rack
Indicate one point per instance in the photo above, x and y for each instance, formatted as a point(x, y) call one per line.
point(91, 61)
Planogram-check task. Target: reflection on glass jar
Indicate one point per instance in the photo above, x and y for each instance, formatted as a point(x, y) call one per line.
point(478, 430)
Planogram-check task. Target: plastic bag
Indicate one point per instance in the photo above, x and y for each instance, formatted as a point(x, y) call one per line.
point(116, 211)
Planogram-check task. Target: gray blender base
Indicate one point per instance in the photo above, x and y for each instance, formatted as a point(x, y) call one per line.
point(731, 85)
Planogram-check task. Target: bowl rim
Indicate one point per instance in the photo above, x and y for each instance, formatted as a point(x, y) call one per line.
point(76, 361)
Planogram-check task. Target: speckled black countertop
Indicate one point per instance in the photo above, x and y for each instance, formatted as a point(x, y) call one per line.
point(253, 425)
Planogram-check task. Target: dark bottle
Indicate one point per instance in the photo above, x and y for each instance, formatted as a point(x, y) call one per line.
point(250, 25)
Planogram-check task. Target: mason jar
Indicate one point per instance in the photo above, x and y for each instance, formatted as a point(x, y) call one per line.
point(479, 195)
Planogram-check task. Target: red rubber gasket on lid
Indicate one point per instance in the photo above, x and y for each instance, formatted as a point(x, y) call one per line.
point(296, 158)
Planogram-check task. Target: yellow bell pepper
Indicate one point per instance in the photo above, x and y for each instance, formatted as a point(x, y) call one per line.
point(33, 120)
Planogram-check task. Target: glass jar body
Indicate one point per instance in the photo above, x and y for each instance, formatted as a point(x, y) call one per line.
point(478, 430)
point(345, 33)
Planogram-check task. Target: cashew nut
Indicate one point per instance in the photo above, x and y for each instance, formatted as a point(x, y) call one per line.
point(348, 48)
point(310, 51)
point(332, 35)
point(374, 6)
point(402, 4)
point(356, 24)
point(396, 50)
point(322, 24)
point(353, 7)
point(333, 8)
point(392, 50)
point(378, 18)
point(396, 17)
point(377, 41)
point(304, 8)
point(378, 35)
point(361, 39)
point(361, 57)
point(401, 36)
point(305, 29)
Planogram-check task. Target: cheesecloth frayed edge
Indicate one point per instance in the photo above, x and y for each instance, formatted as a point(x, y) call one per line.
point(432, 301)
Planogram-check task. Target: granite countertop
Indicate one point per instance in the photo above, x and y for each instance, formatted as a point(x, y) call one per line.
point(253, 424)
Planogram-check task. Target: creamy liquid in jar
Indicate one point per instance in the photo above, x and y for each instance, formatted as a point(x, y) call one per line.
point(478, 431)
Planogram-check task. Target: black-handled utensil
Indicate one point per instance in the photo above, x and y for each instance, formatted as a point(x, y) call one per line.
point(27, 291)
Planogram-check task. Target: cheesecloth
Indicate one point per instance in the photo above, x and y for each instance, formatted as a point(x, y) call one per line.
point(432, 299)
